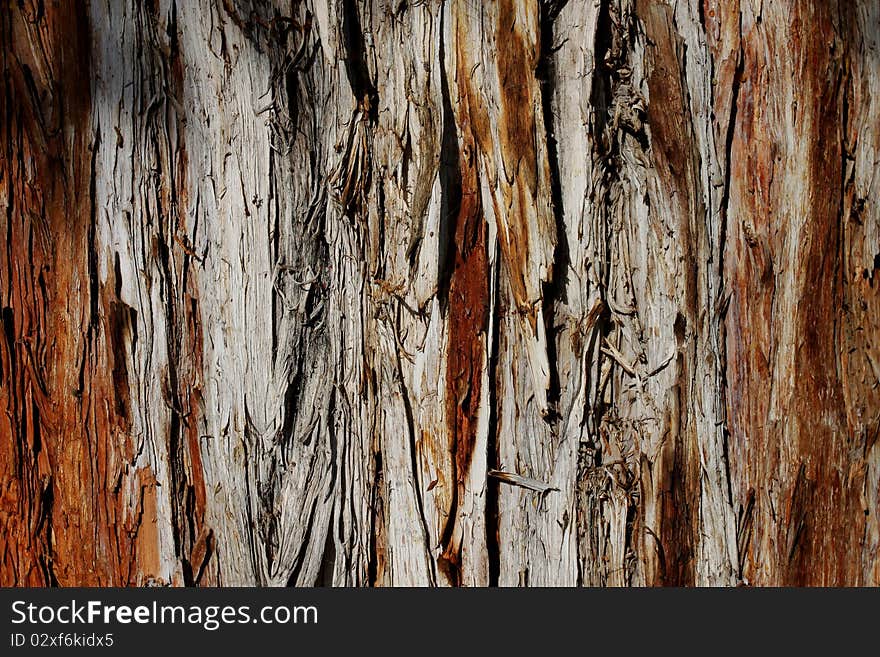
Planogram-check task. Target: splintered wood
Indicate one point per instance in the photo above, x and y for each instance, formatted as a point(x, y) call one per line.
point(360, 292)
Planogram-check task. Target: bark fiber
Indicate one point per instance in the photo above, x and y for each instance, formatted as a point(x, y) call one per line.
point(447, 293)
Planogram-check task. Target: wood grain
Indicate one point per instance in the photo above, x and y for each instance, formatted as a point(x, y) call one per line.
point(445, 293)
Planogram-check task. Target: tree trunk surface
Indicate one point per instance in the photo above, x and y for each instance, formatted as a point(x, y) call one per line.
point(390, 292)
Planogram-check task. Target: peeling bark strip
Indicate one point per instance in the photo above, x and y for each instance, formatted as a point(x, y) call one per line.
point(342, 292)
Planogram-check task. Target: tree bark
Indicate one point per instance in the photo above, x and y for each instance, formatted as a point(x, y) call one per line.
point(374, 292)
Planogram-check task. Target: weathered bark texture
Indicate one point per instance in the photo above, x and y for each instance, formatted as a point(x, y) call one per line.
point(389, 292)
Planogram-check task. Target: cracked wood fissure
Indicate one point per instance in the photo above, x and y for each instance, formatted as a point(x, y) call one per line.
point(450, 293)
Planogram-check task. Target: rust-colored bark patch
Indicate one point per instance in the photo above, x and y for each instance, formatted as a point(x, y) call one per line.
point(786, 404)
point(468, 316)
point(62, 524)
point(468, 308)
point(146, 529)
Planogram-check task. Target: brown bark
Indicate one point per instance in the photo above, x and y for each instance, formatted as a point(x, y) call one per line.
point(440, 293)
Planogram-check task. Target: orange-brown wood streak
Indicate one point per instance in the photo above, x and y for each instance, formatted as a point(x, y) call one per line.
point(468, 322)
point(790, 442)
point(63, 426)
